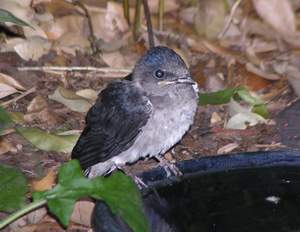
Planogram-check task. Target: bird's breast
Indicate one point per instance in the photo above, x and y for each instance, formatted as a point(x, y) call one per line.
point(170, 120)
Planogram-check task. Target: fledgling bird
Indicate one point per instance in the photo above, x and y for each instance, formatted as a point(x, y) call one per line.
point(141, 117)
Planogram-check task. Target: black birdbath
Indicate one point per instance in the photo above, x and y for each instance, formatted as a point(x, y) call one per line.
point(232, 193)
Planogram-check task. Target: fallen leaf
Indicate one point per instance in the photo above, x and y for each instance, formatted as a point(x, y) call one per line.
point(47, 141)
point(169, 5)
point(215, 118)
point(17, 117)
point(71, 42)
point(114, 59)
point(8, 80)
point(37, 104)
point(242, 117)
point(5, 146)
point(6, 90)
point(82, 212)
point(46, 115)
point(227, 148)
point(188, 14)
point(210, 18)
point(45, 183)
point(33, 48)
point(6, 16)
point(21, 225)
point(89, 94)
point(278, 13)
point(70, 99)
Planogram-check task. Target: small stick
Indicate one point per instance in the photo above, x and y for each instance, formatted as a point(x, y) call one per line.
point(149, 24)
point(76, 68)
point(137, 19)
point(126, 11)
point(232, 12)
point(33, 89)
point(92, 37)
point(161, 14)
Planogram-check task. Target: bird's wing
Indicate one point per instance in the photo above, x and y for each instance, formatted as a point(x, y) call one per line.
point(112, 124)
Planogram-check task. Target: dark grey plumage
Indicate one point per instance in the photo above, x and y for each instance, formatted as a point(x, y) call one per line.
point(144, 116)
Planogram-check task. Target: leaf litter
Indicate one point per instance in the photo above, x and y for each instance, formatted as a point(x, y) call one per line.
point(252, 50)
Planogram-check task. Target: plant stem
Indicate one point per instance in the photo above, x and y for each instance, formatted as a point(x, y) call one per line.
point(161, 10)
point(21, 212)
point(126, 11)
point(149, 24)
point(137, 19)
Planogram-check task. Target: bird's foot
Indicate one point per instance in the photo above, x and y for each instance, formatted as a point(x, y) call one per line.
point(138, 181)
point(169, 166)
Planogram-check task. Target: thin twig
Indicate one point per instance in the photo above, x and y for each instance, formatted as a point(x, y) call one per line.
point(126, 11)
point(161, 10)
point(232, 12)
point(272, 145)
point(92, 37)
point(76, 68)
point(33, 89)
point(137, 19)
point(149, 24)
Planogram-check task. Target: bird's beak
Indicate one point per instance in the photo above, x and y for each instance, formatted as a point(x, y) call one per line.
point(185, 80)
point(180, 80)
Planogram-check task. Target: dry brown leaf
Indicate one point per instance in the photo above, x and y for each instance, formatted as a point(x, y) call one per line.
point(227, 148)
point(31, 218)
point(262, 73)
point(210, 18)
point(36, 216)
point(37, 104)
point(17, 117)
point(67, 24)
point(188, 14)
point(71, 42)
point(5, 146)
point(46, 115)
point(6, 79)
point(89, 94)
point(215, 118)
point(169, 5)
point(294, 78)
point(278, 13)
point(33, 48)
point(45, 183)
point(109, 23)
point(28, 228)
point(70, 99)
point(114, 59)
point(82, 212)
point(24, 11)
point(6, 90)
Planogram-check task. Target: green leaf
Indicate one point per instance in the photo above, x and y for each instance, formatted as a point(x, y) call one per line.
point(124, 199)
point(261, 110)
point(5, 119)
point(219, 97)
point(118, 190)
point(6, 16)
point(13, 188)
point(63, 213)
point(48, 142)
point(247, 97)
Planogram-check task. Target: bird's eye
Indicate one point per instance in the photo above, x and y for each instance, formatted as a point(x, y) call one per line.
point(159, 74)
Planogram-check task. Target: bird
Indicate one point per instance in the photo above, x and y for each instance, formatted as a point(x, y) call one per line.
point(143, 115)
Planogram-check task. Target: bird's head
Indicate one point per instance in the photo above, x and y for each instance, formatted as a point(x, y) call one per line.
point(161, 69)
